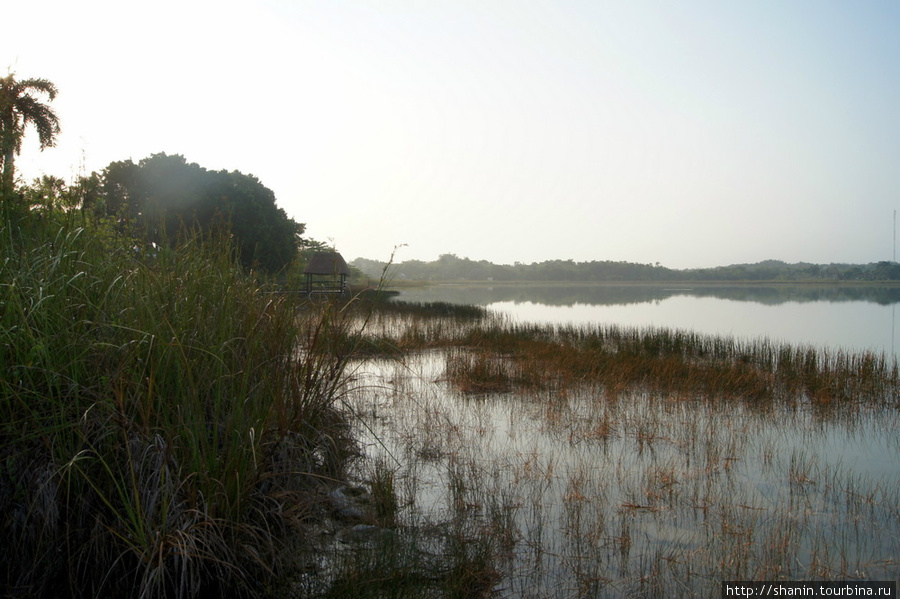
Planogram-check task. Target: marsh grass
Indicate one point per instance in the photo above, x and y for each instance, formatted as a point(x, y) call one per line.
point(613, 462)
point(487, 353)
point(665, 361)
point(164, 425)
point(384, 494)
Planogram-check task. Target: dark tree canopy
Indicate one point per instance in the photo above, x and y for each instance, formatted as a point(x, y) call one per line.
point(161, 194)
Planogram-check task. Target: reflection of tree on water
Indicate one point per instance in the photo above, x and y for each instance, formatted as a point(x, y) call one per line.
point(567, 295)
point(780, 294)
point(551, 295)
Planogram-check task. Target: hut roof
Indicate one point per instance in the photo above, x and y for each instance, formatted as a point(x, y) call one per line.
point(327, 263)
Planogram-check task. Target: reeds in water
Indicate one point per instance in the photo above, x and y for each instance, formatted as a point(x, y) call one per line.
point(163, 424)
point(618, 462)
point(672, 362)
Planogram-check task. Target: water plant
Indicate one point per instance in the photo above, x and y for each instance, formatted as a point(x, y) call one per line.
point(716, 368)
point(617, 462)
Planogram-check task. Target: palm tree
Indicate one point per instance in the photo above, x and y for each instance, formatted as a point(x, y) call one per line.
point(19, 107)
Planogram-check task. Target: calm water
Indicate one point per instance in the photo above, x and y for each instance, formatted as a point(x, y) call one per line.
point(853, 318)
point(599, 495)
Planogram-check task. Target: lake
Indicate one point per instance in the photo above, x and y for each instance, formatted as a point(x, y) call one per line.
point(587, 490)
point(851, 318)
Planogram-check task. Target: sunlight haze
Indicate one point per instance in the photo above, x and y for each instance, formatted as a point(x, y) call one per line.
point(693, 134)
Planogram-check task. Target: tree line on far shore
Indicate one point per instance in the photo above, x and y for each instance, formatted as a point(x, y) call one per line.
point(450, 267)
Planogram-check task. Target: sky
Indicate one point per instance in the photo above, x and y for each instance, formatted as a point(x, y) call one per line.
point(691, 133)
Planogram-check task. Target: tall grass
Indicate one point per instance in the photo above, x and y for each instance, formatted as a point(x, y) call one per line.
point(663, 360)
point(487, 352)
point(163, 424)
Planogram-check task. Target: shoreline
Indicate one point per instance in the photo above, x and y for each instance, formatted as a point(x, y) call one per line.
point(678, 285)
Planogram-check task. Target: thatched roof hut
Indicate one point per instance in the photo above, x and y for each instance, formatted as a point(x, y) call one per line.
point(327, 263)
point(326, 272)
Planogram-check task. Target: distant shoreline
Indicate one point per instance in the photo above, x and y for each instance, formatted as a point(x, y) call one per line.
point(450, 268)
point(674, 285)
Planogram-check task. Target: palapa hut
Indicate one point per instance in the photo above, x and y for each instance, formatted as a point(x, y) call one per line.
point(326, 272)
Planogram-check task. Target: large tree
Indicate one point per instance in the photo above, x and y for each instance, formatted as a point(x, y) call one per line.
point(161, 194)
point(21, 105)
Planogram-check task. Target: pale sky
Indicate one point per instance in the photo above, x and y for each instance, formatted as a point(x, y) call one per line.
point(692, 133)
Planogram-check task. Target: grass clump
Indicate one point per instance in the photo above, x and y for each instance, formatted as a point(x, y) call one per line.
point(498, 355)
point(488, 353)
point(434, 309)
point(163, 424)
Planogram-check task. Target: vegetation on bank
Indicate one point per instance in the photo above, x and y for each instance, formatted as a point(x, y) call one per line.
point(169, 426)
point(166, 428)
point(449, 267)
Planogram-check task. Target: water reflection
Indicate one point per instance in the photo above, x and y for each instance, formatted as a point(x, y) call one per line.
point(848, 318)
point(612, 294)
point(597, 494)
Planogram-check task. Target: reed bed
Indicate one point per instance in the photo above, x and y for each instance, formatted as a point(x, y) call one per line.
point(695, 366)
point(612, 462)
point(164, 425)
point(488, 352)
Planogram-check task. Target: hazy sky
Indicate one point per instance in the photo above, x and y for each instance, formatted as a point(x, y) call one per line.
point(691, 133)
